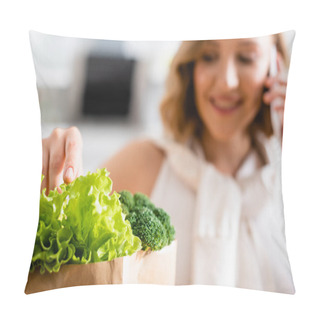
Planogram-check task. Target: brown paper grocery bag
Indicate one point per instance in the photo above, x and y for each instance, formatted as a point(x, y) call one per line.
point(151, 267)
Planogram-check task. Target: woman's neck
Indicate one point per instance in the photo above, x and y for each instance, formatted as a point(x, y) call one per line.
point(227, 156)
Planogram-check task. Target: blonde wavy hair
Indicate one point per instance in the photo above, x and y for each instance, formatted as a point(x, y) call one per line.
point(177, 108)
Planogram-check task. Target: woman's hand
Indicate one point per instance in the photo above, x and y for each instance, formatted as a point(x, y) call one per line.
point(276, 94)
point(61, 157)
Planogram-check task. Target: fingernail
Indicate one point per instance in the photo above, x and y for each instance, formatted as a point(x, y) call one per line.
point(69, 173)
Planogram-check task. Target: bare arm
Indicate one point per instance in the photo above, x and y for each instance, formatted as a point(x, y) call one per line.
point(136, 167)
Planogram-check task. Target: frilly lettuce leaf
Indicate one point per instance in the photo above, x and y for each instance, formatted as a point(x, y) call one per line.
point(82, 224)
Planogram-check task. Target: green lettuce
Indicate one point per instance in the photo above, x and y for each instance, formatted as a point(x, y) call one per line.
point(82, 224)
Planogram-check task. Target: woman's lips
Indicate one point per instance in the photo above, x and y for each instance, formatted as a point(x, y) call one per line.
point(225, 107)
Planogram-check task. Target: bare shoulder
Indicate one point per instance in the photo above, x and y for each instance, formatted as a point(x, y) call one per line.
point(136, 167)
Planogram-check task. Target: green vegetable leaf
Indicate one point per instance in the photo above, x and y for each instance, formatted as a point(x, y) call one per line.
point(82, 224)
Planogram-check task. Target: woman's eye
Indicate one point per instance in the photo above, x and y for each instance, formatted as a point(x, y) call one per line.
point(209, 57)
point(246, 59)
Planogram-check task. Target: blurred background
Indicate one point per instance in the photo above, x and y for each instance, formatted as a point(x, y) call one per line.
point(110, 90)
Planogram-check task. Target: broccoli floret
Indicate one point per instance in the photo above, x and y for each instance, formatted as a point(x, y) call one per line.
point(127, 202)
point(166, 222)
point(152, 225)
point(148, 228)
point(141, 200)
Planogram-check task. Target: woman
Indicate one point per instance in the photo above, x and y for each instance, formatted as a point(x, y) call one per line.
point(217, 171)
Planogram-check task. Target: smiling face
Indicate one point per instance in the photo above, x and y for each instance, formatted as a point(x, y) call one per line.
point(228, 81)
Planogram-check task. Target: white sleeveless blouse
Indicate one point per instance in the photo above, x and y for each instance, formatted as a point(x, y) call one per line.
point(230, 231)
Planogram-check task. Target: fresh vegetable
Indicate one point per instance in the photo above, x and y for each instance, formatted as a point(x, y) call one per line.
point(141, 200)
point(148, 228)
point(127, 201)
point(151, 224)
point(82, 224)
point(165, 220)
